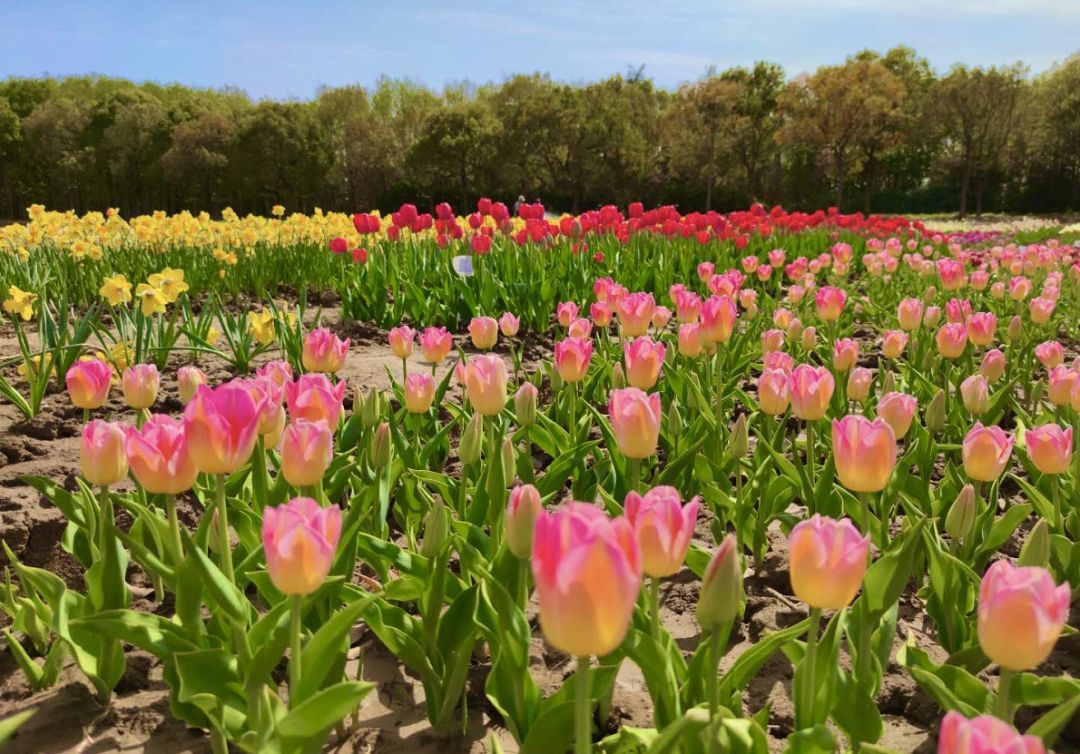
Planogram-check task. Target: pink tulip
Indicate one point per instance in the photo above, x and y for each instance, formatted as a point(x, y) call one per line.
point(951, 340)
point(158, 455)
point(299, 539)
point(572, 358)
point(484, 332)
point(893, 343)
point(772, 340)
point(139, 385)
point(864, 452)
point(324, 352)
point(1059, 383)
point(828, 560)
point(785, 362)
point(419, 392)
point(509, 324)
point(401, 341)
point(88, 383)
point(690, 344)
point(909, 312)
point(975, 393)
point(1050, 354)
point(661, 317)
point(436, 344)
point(188, 379)
point(279, 372)
point(811, 389)
point(1050, 448)
point(858, 384)
point(664, 528)
point(101, 453)
point(588, 574)
point(1019, 288)
point(687, 306)
point(1021, 615)
point(644, 358)
point(718, 315)
point(829, 302)
point(635, 313)
point(772, 388)
point(1041, 310)
point(635, 420)
point(845, 354)
point(993, 365)
point(932, 316)
point(600, 313)
point(981, 328)
point(986, 452)
point(898, 409)
point(221, 425)
point(522, 511)
point(485, 383)
point(997, 290)
point(307, 448)
point(984, 734)
point(267, 396)
point(580, 328)
point(315, 398)
point(566, 312)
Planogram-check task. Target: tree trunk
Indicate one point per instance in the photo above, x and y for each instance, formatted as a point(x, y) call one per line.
point(965, 186)
point(979, 185)
point(708, 192)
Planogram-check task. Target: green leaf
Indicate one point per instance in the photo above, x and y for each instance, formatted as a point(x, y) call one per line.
point(855, 711)
point(322, 711)
point(10, 725)
point(223, 592)
point(320, 650)
point(1049, 726)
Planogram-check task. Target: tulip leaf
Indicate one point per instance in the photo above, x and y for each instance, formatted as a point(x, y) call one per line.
point(322, 711)
point(319, 650)
point(222, 591)
point(1049, 726)
point(9, 726)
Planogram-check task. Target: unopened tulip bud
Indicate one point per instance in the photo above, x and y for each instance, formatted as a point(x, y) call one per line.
point(525, 405)
point(1036, 549)
point(795, 330)
point(739, 440)
point(961, 516)
point(809, 338)
point(471, 440)
point(618, 377)
point(935, 412)
point(888, 385)
point(371, 412)
point(674, 421)
point(929, 294)
point(508, 459)
point(436, 530)
point(521, 513)
point(722, 586)
point(189, 378)
point(1015, 330)
point(380, 447)
point(858, 385)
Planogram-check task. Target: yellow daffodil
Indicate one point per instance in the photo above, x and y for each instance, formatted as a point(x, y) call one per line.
point(116, 290)
point(213, 335)
point(34, 366)
point(277, 210)
point(261, 326)
point(121, 355)
point(151, 298)
point(170, 282)
point(20, 303)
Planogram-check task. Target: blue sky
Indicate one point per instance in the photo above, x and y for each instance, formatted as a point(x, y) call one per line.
point(284, 49)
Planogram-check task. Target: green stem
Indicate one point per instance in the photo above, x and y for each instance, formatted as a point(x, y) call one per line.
point(224, 546)
point(804, 710)
point(635, 473)
point(654, 607)
point(218, 743)
point(1055, 488)
point(296, 604)
point(718, 640)
point(174, 529)
point(582, 709)
point(1002, 706)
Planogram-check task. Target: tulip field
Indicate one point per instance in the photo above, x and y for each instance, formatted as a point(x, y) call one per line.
point(628, 481)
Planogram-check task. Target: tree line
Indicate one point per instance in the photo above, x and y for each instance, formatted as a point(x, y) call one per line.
point(877, 133)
